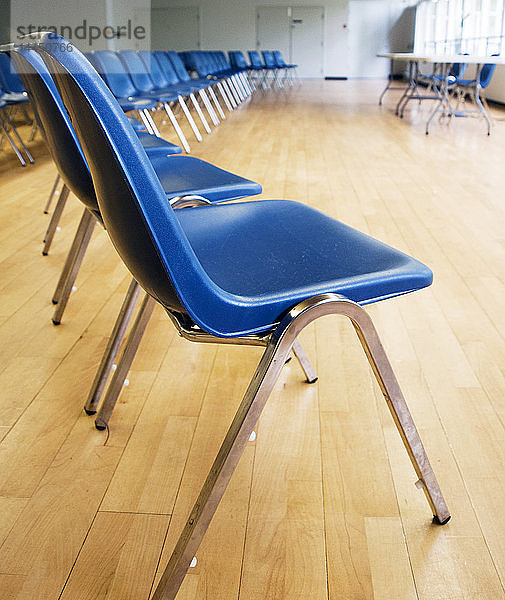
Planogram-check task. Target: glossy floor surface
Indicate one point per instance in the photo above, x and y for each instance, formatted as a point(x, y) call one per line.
point(323, 503)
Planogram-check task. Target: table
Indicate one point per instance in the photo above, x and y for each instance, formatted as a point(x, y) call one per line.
point(441, 65)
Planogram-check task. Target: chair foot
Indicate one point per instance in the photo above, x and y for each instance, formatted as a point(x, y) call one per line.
point(437, 521)
point(55, 322)
point(303, 359)
point(107, 363)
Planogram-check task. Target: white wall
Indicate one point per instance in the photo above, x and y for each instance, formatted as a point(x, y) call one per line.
point(231, 25)
point(377, 26)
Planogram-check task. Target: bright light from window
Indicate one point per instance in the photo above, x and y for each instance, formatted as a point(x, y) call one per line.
point(460, 26)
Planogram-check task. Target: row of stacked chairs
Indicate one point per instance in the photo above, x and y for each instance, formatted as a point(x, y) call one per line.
point(209, 81)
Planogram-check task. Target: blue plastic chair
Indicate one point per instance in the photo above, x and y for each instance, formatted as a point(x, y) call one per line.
point(249, 273)
point(473, 88)
point(115, 75)
point(145, 84)
point(186, 182)
point(258, 66)
point(170, 61)
point(166, 75)
point(271, 66)
point(5, 130)
point(204, 67)
point(290, 70)
point(13, 94)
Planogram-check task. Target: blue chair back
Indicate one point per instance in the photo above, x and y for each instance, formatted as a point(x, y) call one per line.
point(55, 124)
point(278, 59)
point(254, 59)
point(178, 65)
point(167, 67)
point(268, 59)
point(137, 70)
point(486, 73)
point(154, 69)
point(9, 80)
point(237, 59)
point(115, 75)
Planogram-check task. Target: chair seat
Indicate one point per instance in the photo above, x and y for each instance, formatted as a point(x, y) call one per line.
point(133, 103)
point(153, 144)
point(163, 95)
point(186, 175)
point(272, 254)
point(466, 82)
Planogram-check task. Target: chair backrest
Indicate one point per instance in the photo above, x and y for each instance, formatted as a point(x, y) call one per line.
point(268, 58)
point(486, 73)
point(178, 65)
point(141, 223)
point(254, 59)
point(137, 70)
point(168, 68)
point(154, 69)
point(9, 80)
point(55, 124)
point(201, 62)
point(237, 59)
point(223, 61)
point(279, 60)
point(114, 73)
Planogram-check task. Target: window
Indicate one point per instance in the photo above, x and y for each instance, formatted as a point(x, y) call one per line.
point(460, 26)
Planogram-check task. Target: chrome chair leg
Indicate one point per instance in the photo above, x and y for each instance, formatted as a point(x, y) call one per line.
point(52, 194)
point(304, 361)
point(239, 87)
point(208, 107)
point(234, 90)
point(55, 219)
point(189, 118)
point(214, 99)
point(112, 349)
point(224, 96)
point(200, 113)
point(145, 120)
point(229, 93)
point(18, 137)
point(480, 105)
point(152, 125)
point(177, 127)
point(64, 289)
point(12, 143)
point(278, 348)
point(117, 381)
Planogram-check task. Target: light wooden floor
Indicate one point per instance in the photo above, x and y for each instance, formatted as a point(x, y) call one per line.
point(323, 504)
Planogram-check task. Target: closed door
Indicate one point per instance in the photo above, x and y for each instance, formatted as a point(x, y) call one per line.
point(175, 28)
point(307, 40)
point(272, 29)
point(297, 31)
